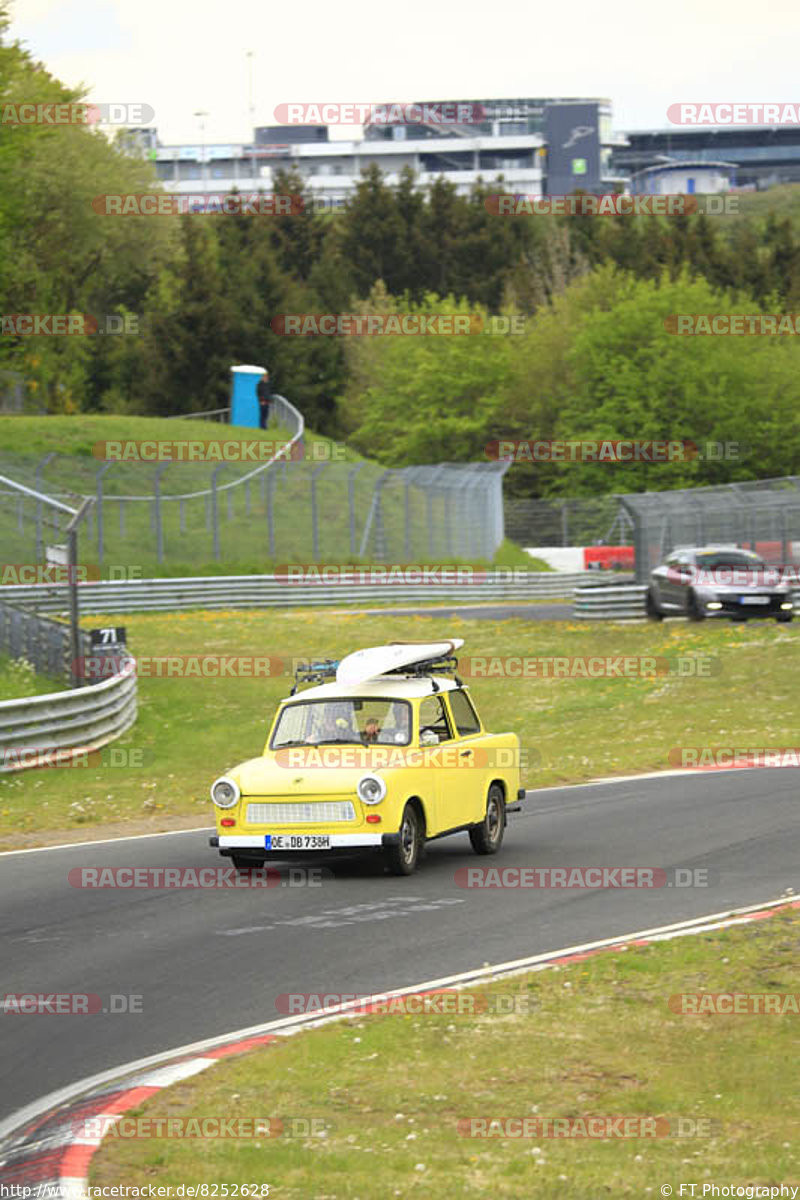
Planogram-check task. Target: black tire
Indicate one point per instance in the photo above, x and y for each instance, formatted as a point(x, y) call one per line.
point(784, 618)
point(246, 862)
point(694, 609)
point(654, 613)
point(487, 838)
point(402, 858)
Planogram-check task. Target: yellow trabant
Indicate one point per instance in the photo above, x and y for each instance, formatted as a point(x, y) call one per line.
point(384, 764)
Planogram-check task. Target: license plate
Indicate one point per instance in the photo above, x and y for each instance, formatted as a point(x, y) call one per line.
point(297, 841)
point(754, 599)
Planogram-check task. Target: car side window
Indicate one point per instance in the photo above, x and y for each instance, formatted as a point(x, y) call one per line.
point(432, 715)
point(464, 714)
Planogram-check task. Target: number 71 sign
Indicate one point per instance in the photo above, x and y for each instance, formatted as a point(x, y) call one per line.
point(112, 635)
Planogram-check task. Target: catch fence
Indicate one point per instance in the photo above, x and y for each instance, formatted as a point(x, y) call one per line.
point(308, 504)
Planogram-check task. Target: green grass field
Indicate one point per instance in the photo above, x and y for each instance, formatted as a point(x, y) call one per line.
point(18, 680)
point(262, 523)
point(189, 730)
point(595, 1039)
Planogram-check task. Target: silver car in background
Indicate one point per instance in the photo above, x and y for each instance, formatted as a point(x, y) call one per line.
point(719, 581)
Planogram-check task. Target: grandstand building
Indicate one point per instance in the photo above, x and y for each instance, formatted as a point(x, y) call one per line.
point(759, 156)
point(538, 146)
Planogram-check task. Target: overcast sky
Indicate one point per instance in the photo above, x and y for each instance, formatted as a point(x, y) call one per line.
point(181, 56)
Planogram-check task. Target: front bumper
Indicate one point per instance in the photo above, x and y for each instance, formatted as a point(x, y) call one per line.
point(733, 606)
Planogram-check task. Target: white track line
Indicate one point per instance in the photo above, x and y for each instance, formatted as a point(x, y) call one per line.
point(131, 837)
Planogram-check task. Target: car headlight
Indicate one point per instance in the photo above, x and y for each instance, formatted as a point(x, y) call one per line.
point(371, 789)
point(225, 793)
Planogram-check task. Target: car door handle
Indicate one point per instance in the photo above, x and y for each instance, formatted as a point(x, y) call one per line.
point(465, 753)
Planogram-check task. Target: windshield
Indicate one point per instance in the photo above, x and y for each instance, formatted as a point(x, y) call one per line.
point(359, 722)
point(729, 558)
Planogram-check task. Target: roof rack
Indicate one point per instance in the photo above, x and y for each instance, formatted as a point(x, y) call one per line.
point(316, 671)
point(431, 666)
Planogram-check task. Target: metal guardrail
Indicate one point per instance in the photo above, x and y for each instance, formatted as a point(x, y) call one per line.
point(72, 722)
point(270, 591)
point(621, 602)
point(212, 414)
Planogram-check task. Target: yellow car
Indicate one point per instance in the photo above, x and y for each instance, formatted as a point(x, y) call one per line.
point(386, 752)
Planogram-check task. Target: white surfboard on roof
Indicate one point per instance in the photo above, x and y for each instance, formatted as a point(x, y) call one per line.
point(378, 660)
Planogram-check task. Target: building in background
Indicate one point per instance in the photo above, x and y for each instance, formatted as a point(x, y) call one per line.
point(538, 146)
point(763, 155)
point(684, 178)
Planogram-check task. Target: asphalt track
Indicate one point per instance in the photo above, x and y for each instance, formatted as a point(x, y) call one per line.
point(208, 961)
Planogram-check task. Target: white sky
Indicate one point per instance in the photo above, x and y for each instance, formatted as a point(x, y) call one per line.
point(180, 56)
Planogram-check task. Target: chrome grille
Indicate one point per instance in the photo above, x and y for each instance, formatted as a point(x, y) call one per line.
point(295, 813)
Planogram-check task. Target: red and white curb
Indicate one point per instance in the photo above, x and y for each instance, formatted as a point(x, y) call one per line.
point(40, 1148)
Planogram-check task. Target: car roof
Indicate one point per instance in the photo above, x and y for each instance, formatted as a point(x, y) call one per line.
point(392, 687)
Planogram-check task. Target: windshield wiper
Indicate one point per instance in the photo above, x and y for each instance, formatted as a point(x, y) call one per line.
point(337, 742)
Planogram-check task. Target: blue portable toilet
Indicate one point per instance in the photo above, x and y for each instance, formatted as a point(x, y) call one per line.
point(244, 401)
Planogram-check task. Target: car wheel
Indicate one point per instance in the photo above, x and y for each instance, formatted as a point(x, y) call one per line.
point(403, 856)
point(654, 613)
point(694, 608)
point(487, 838)
point(246, 862)
point(784, 618)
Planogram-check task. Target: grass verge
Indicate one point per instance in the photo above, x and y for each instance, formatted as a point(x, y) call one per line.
point(597, 1039)
point(190, 729)
point(18, 680)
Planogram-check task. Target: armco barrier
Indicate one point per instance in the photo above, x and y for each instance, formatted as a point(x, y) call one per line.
point(267, 591)
point(624, 601)
point(82, 719)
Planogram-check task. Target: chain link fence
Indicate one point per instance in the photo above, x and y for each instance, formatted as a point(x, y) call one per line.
point(43, 642)
point(557, 522)
point(761, 515)
point(180, 516)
